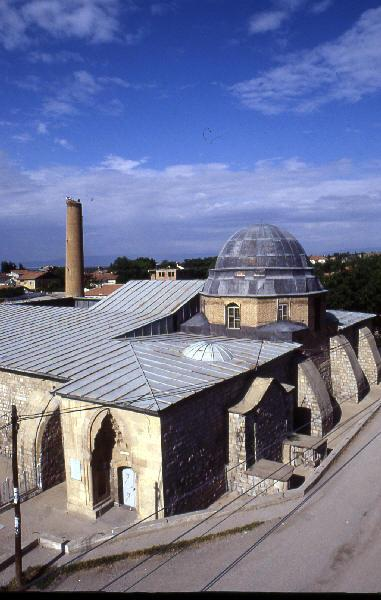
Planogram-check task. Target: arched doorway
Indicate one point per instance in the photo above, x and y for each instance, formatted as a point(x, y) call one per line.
point(52, 462)
point(101, 460)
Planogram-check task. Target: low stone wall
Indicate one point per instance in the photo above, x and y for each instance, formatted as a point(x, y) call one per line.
point(296, 456)
point(247, 484)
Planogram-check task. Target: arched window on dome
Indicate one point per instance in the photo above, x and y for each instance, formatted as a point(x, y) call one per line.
point(233, 316)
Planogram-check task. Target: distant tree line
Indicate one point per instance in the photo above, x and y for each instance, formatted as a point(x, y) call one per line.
point(128, 268)
point(8, 266)
point(353, 282)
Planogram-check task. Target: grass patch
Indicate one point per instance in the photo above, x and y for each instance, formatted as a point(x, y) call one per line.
point(41, 576)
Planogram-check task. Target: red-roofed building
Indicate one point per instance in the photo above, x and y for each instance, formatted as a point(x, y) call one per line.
point(103, 290)
point(32, 280)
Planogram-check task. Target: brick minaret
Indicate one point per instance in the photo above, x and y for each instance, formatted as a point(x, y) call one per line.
point(74, 249)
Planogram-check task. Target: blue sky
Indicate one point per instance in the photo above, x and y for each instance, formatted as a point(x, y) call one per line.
point(178, 122)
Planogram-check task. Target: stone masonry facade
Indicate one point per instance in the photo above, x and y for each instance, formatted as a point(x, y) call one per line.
point(368, 356)
point(256, 311)
point(30, 395)
point(194, 446)
point(256, 434)
point(348, 380)
point(313, 394)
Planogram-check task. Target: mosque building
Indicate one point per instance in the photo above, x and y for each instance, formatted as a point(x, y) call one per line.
point(168, 393)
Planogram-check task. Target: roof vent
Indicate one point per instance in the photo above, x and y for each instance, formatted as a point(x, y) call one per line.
point(209, 352)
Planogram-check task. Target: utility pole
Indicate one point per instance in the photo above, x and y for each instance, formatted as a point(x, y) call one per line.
point(16, 500)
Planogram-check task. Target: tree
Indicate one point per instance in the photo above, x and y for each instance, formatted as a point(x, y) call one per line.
point(197, 268)
point(56, 282)
point(127, 269)
point(353, 282)
point(7, 266)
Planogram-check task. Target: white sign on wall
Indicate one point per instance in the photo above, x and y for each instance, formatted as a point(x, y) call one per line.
point(75, 469)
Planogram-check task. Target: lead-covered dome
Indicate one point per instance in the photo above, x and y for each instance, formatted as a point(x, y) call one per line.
point(262, 260)
point(208, 352)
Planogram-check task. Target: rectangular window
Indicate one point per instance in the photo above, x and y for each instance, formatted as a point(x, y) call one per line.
point(233, 317)
point(282, 312)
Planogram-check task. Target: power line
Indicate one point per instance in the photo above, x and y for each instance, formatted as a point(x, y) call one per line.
point(212, 515)
point(283, 520)
point(209, 516)
point(37, 415)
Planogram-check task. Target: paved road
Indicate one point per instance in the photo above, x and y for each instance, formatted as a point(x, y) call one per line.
point(332, 543)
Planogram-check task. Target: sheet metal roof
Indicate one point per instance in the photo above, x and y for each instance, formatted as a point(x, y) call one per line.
point(151, 297)
point(262, 260)
point(345, 318)
point(79, 347)
point(166, 375)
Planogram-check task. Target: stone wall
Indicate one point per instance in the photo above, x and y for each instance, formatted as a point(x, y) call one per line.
point(195, 446)
point(368, 356)
point(348, 380)
point(30, 395)
point(52, 462)
point(271, 424)
point(237, 440)
point(313, 394)
point(256, 433)
point(137, 446)
point(250, 485)
point(255, 311)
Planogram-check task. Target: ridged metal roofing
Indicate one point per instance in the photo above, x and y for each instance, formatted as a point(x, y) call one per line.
point(78, 347)
point(150, 296)
point(262, 260)
point(262, 246)
point(346, 318)
point(166, 375)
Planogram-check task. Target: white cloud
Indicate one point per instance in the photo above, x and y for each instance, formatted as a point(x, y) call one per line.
point(22, 137)
point(319, 7)
point(49, 58)
point(12, 26)
point(82, 88)
point(271, 20)
point(191, 209)
point(132, 39)
point(95, 21)
point(117, 163)
point(42, 128)
point(343, 70)
point(55, 106)
point(63, 143)
point(114, 81)
point(30, 82)
point(267, 21)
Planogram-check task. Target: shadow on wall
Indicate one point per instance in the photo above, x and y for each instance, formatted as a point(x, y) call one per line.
point(337, 412)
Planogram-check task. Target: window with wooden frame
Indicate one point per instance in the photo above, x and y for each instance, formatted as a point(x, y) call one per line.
point(233, 316)
point(282, 311)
